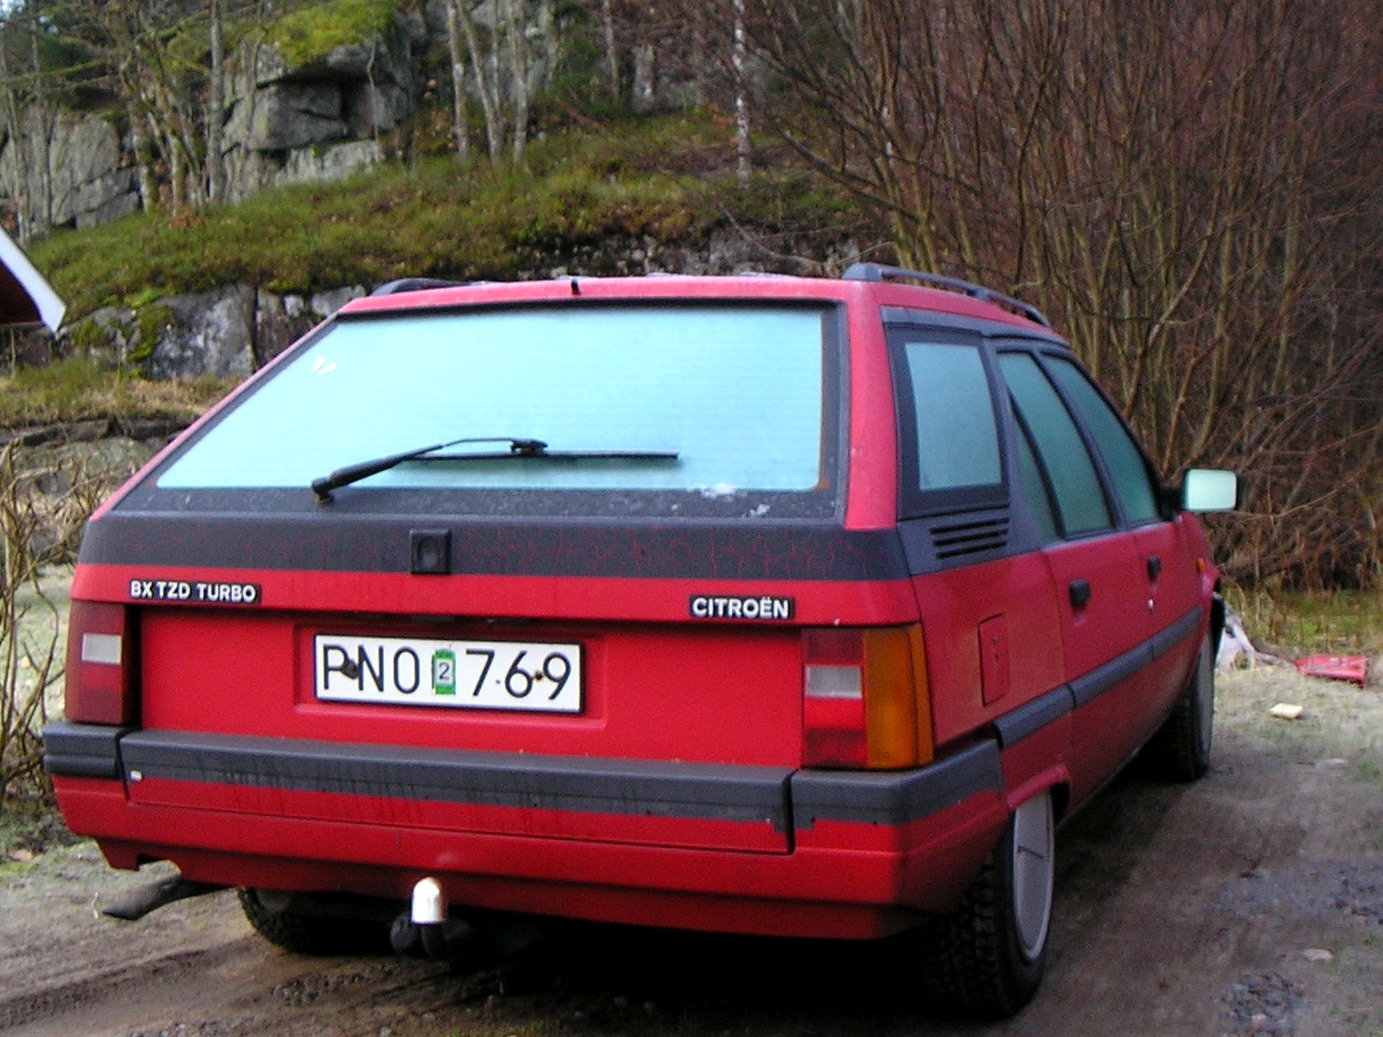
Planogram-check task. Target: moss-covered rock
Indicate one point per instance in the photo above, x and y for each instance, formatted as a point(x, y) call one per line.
point(310, 34)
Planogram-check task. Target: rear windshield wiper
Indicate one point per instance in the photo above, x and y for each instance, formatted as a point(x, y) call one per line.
point(518, 448)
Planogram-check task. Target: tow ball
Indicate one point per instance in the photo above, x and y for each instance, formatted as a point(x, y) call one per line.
point(426, 931)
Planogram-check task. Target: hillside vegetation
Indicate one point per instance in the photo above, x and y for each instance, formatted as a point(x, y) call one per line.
point(580, 199)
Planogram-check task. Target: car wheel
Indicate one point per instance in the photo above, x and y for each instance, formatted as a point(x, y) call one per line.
point(1180, 751)
point(272, 916)
point(987, 957)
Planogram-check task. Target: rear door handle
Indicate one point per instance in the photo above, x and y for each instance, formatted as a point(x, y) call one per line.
point(1080, 593)
point(1154, 567)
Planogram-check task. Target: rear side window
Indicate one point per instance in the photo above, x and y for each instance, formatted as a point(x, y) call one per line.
point(745, 395)
point(1128, 468)
point(949, 430)
point(1069, 469)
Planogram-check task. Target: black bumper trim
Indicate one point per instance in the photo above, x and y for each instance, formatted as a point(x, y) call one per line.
point(778, 796)
point(570, 783)
point(83, 750)
point(895, 798)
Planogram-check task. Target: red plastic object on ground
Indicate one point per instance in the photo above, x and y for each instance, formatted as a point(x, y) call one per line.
point(1352, 668)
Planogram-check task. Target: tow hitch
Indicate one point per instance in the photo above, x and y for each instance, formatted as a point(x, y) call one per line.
point(426, 930)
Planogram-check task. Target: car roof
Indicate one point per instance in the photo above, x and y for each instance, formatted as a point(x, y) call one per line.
point(939, 295)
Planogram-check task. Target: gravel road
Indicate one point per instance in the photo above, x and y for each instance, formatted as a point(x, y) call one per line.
point(1248, 903)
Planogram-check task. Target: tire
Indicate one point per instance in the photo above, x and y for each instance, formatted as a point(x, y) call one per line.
point(1180, 751)
point(987, 958)
point(272, 916)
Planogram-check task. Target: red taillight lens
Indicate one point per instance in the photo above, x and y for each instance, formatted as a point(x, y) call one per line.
point(833, 729)
point(100, 665)
point(864, 698)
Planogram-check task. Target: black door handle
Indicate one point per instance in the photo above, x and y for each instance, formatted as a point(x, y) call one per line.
point(1080, 593)
point(1154, 567)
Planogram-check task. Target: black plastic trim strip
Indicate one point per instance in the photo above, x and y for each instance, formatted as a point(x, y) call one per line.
point(83, 750)
point(1092, 685)
point(1113, 673)
point(895, 798)
point(570, 783)
point(1033, 716)
point(698, 550)
point(1186, 626)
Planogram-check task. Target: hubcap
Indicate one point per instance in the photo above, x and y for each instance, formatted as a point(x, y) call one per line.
point(1033, 870)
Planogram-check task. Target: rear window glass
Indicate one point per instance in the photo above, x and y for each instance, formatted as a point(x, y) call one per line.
point(742, 394)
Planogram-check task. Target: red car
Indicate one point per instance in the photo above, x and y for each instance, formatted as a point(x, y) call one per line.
point(756, 604)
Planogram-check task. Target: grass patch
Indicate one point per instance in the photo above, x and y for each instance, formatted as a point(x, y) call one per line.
point(1320, 622)
point(30, 825)
point(78, 390)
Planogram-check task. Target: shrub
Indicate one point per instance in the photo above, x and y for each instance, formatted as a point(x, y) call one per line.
point(30, 630)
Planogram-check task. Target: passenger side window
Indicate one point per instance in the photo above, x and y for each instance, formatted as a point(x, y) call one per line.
point(1128, 467)
point(1061, 452)
point(949, 437)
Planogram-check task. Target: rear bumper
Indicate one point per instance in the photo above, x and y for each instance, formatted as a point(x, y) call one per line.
point(744, 849)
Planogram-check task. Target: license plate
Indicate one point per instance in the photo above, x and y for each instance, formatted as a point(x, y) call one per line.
point(518, 675)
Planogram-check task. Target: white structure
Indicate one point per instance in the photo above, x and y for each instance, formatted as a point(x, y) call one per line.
point(26, 297)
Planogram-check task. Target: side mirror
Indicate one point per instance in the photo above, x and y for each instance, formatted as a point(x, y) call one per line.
point(1209, 489)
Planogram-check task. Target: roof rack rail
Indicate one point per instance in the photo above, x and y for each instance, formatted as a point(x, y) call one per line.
point(415, 284)
point(881, 272)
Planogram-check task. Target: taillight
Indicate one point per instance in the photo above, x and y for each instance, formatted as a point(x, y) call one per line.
point(100, 665)
point(864, 698)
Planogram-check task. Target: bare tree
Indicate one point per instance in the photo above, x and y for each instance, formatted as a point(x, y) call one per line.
point(516, 36)
point(216, 104)
point(1191, 187)
point(31, 120)
point(609, 37)
point(460, 119)
point(739, 60)
point(503, 42)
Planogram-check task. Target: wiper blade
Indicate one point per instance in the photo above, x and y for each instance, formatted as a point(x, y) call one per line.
point(364, 469)
point(518, 448)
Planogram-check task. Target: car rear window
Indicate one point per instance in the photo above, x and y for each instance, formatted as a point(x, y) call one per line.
point(744, 395)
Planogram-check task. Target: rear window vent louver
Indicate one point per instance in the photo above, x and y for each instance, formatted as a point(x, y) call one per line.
point(971, 537)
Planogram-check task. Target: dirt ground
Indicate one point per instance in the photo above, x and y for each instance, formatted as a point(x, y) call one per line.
point(1248, 903)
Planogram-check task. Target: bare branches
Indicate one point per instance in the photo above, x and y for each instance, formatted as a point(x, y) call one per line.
point(1192, 189)
point(29, 636)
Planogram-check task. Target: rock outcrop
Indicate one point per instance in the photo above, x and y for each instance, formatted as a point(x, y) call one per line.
point(72, 170)
point(282, 123)
point(322, 119)
point(227, 332)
